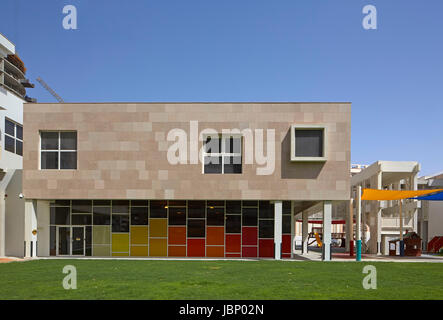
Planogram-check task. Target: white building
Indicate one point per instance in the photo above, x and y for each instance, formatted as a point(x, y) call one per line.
point(13, 84)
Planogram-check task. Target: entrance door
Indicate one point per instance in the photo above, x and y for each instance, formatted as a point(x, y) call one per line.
point(78, 241)
point(70, 241)
point(64, 241)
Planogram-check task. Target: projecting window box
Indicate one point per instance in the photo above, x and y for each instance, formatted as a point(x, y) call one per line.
point(308, 143)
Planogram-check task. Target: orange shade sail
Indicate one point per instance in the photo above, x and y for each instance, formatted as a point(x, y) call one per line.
point(374, 194)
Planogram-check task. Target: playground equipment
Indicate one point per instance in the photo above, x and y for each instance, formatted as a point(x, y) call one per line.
point(412, 242)
point(435, 244)
point(317, 238)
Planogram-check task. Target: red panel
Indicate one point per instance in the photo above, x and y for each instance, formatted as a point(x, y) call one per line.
point(249, 252)
point(215, 236)
point(196, 247)
point(286, 256)
point(177, 251)
point(215, 251)
point(233, 243)
point(266, 248)
point(286, 243)
point(233, 255)
point(177, 235)
point(249, 236)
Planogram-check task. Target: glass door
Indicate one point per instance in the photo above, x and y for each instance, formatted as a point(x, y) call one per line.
point(64, 241)
point(78, 241)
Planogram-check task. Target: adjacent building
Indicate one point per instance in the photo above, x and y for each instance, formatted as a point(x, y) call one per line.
point(180, 179)
point(13, 84)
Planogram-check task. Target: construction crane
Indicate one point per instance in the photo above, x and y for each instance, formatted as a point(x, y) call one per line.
point(49, 89)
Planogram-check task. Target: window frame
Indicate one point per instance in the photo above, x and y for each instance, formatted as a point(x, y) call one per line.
point(222, 154)
point(58, 150)
point(294, 158)
point(14, 137)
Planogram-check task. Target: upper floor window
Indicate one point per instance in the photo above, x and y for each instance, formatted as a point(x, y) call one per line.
point(308, 143)
point(58, 150)
point(13, 137)
point(222, 154)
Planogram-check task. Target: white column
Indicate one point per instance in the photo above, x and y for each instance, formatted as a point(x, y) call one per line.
point(349, 225)
point(2, 224)
point(277, 228)
point(292, 230)
point(30, 225)
point(305, 234)
point(378, 215)
point(327, 222)
point(43, 231)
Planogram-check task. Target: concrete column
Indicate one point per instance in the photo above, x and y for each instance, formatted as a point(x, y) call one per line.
point(358, 224)
point(349, 225)
point(378, 220)
point(327, 222)
point(43, 231)
point(2, 224)
point(305, 234)
point(277, 228)
point(30, 225)
point(292, 230)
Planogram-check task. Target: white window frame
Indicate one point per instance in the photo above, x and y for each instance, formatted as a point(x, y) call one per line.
point(222, 152)
point(14, 137)
point(309, 127)
point(59, 151)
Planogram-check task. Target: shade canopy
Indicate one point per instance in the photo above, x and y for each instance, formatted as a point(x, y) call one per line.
point(431, 197)
point(375, 194)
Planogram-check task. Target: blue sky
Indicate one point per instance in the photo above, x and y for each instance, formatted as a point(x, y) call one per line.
point(250, 50)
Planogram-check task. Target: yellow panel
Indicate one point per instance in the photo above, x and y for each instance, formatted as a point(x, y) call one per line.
point(139, 235)
point(158, 228)
point(120, 254)
point(101, 235)
point(120, 242)
point(101, 250)
point(373, 194)
point(158, 247)
point(139, 251)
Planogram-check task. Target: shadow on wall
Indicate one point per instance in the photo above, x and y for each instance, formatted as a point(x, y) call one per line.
point(297, 170)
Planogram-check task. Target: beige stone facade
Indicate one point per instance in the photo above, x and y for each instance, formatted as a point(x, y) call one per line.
point(122, 152)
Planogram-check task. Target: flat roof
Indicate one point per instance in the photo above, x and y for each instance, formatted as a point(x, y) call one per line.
point(199, 102)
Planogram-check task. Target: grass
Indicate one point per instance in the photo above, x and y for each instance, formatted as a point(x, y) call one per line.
point(139, 279)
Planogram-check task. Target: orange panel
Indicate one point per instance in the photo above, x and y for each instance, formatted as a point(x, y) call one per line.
point(158, 247)
point(215, 251)
point(177, 235)
point(158, 228)
point(177, 251)
point(215, 236)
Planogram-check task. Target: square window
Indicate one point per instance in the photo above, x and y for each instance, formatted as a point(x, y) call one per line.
point(232, 164)
point(102, 216)
point(233, 223)
point(308, 143)
point(177, 216)
point(158, 209)
point(266, 229)
point(196, 228)
point(19, 133)
point(9, 144)
point(81, 206)
point(9, 127)
point(213, 164)
point(49, 160)
point(213, 145)
point(216, 216)
point(68, 160)
point(68, 140)
point(249, 216)
point(120, 223)
point(139, 216)
point(196, 209)
point(49, 140)
point(232, 145)
point(19, 147)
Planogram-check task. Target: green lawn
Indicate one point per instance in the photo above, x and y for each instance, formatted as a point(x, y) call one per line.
point(113, 279)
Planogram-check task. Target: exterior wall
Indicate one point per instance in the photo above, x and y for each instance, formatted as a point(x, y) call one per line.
point(435, 219)
point(15, 216)
point(122, 152)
